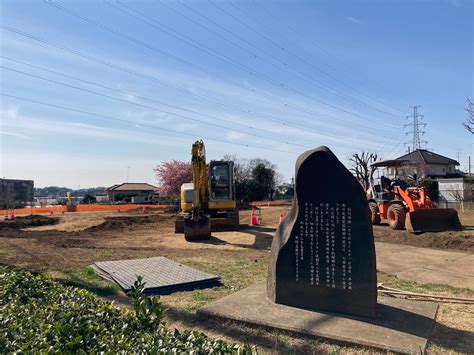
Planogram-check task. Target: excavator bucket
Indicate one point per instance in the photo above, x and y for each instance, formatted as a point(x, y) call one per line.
point(432, 220)
point(197, 229)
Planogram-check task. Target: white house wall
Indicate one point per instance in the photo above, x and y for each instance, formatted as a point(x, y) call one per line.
point(450, 189)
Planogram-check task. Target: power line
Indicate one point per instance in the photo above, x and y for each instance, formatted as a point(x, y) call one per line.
point(179, 35)
point(156, 109)
point(327, 53)
point(258, 48)
point(233, 122)
point(141, 124)
point(143, 98)
point(161, 82)
point(202, 69)
point(145, 106)
point(396, 148)
point(169, 105)
point(281, 47)
point(310, 64)
point(152, 78)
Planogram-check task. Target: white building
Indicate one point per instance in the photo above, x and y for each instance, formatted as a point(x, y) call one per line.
point(455, 190)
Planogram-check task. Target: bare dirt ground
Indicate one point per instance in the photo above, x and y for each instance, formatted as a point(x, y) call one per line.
point(75, 240)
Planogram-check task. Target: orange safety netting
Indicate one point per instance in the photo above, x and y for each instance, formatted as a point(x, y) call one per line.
point(80, 208)
point(271, 203)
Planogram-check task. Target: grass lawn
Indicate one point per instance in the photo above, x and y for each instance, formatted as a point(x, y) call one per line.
point(452, 333)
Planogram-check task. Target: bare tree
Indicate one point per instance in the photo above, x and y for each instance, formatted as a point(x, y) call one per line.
point(457, 193)
point(361, 167)
point(469, 124)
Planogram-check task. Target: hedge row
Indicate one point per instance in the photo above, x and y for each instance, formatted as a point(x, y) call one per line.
point(40, 315)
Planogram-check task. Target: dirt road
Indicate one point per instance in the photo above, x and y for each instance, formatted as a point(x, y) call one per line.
point(77, 239)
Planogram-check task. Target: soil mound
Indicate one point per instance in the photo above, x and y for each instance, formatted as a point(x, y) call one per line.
point(28, 221)
point(127, 222)
point(445, 240)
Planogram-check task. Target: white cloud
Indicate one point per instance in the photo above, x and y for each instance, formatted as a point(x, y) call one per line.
point(236, 136)
point(13, 119)
point(354, 20)
point(84, 125)
point(15, 134)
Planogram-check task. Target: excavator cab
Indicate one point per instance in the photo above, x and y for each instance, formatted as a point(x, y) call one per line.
point(222, 205)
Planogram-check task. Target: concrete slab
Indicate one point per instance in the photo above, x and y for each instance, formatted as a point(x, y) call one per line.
point(402, 325)
point(436, 276)
point(426, 265)
point(392, 248)
point(414, 258)
point(463, 265)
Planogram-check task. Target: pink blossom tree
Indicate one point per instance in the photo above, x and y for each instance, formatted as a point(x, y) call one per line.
point(171, 175)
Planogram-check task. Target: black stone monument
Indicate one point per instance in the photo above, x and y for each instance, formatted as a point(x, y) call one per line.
point(323, 254)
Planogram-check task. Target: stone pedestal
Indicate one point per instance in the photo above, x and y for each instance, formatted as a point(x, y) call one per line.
point(401, 326)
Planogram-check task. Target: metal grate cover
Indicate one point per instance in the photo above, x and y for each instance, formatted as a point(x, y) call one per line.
point(162, 275)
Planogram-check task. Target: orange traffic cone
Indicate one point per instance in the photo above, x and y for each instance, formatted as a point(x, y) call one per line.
point(282, 215)
point(253, 218)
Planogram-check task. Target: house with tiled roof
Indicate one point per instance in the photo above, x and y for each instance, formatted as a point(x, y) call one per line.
point(422, 163)
point(131, 192)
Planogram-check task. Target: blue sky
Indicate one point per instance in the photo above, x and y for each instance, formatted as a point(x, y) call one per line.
point(119, 86)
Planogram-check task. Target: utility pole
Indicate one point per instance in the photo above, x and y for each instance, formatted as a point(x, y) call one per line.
point(416, 131)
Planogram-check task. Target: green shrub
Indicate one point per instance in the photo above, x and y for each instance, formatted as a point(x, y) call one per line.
point(40, 315)
point(431, 187)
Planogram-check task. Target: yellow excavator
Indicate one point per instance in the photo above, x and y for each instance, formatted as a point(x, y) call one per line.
point(208, 202)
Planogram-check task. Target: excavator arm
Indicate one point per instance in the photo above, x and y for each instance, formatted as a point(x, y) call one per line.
point(197, 224)
point(200, 177)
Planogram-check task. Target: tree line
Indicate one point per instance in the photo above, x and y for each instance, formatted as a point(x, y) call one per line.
point(256, 179)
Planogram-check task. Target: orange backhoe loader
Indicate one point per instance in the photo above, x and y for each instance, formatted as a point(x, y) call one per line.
point(409, 207)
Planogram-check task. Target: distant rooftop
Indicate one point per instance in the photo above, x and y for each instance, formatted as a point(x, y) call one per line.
point(425, 156)
point(130, 186)
point(418, 156)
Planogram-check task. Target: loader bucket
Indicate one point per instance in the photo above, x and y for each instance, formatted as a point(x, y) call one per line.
point(432, 220)
point(197, 230)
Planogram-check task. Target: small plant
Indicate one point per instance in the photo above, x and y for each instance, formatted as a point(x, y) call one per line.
point(148, 309)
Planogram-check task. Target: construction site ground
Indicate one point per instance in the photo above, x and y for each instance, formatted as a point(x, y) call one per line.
point(64, 245)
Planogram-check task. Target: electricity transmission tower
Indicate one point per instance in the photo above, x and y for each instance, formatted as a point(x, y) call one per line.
point(416, 130)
